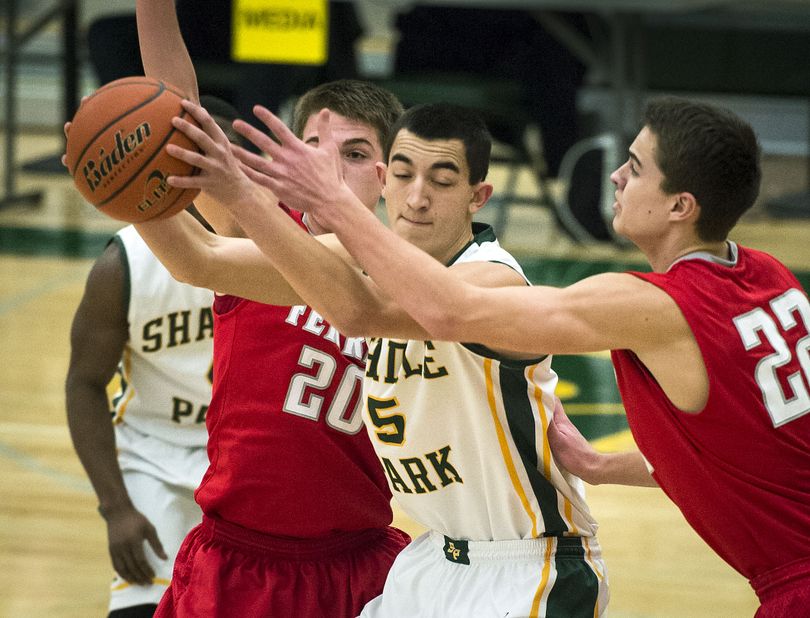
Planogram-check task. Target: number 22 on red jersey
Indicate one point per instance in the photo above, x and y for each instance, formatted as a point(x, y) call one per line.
point(756, 328)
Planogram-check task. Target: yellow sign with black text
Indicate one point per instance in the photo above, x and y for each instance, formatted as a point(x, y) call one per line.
point(280, 31)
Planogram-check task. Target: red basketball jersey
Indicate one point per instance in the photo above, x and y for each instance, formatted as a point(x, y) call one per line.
point(740, 469)
point(288, 450)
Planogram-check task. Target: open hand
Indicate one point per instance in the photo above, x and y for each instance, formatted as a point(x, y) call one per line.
point(305, 177)
point(220, 173)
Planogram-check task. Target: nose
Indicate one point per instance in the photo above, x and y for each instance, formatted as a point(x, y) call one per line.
point(619, 175)
point(417, 197)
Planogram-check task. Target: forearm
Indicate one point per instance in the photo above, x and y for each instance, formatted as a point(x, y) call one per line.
point(322, 279)
point(163, 51)
point(627, 468)
point(93, 437)
point(425, 290)
point(182, 245)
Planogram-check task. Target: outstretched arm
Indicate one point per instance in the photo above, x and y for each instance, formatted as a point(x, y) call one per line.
point(165, 57)
point(573, 452)
point(333, 286)
point(225, 265)
point(591, 315)
point(97, 338)
point(163, 51)
point(321, 273)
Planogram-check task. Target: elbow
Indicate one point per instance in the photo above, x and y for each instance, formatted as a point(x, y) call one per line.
point(352, 322)
point(191, 274)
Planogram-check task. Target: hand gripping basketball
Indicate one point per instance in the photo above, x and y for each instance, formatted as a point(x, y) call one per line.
point(116, 150)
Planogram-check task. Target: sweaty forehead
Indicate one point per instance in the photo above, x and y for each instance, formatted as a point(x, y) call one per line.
point(423, 151)
point(343, 130)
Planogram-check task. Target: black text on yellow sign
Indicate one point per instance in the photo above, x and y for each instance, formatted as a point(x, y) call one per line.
point(280, 31)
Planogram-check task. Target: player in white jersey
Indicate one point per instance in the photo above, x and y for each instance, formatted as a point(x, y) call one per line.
point(460, 429)
point(134, 318)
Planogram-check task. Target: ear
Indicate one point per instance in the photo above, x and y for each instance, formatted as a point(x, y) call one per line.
point(382, 170)
point(685, 207)
point(481, 194)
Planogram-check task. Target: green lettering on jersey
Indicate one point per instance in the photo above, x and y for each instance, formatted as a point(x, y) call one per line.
point(397, 484)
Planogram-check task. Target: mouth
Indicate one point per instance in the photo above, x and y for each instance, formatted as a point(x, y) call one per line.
point(415, 223)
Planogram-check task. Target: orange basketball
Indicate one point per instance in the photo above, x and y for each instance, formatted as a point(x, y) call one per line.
point(116, 150)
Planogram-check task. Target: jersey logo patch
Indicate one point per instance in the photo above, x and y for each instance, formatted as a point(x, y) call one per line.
point(456, 551)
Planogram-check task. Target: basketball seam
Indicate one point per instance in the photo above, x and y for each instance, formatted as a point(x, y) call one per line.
point(140, 169)
point(92, 140)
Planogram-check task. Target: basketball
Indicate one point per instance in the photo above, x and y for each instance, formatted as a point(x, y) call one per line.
point(116, 150)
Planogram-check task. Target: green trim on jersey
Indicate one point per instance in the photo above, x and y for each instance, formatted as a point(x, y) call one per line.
point(523, 428)
point(483, 232)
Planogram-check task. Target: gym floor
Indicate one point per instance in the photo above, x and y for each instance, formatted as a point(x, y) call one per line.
point(53, 543)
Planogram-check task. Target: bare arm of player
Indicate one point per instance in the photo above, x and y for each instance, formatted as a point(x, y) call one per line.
point(574, 453)
point(97, 339)
point(166, 57)
point(330, 284)
point(610, 311)
point(163, 51)
point(233, 266)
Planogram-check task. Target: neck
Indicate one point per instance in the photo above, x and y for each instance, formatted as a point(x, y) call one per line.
point(663, 252)
point(717, 249)
point(455, 248)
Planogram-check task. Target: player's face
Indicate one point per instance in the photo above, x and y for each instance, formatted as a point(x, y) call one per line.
point(360, 151)
point(428, 195)
point(642, 207)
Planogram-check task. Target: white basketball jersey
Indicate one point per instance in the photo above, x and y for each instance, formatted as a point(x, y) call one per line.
point(461, 434)
point(166, 366)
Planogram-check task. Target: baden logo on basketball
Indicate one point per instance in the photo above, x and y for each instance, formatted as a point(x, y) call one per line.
point(116, 150)
point(106, 167)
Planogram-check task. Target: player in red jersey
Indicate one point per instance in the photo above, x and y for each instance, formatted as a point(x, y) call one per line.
point(296, 507)
point(711, 349)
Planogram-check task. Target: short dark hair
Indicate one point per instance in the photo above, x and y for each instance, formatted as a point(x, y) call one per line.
point(709, 152)
point(352, 98)
point(436, 121)
point(223, 114)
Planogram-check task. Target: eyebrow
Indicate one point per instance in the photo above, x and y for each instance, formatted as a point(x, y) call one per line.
point(355, 141)
point(636, 159)
point(439, 165)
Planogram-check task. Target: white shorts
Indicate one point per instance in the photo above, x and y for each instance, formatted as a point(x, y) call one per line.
point(437, 576)
point(160, 478)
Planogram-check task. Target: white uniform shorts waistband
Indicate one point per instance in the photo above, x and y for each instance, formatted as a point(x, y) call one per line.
point(467, 552)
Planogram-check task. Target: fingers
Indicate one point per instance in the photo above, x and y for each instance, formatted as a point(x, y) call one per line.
point(133, 568)
point(262, 141)
point(192, 157)
point(197, 135)
point(251, 159)
point(257, 177)
point(154, 541)
point(141, 566)
point(324, 128)
point(275, 124)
